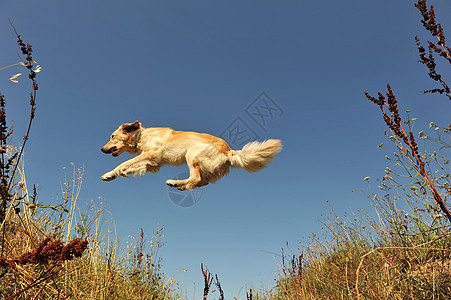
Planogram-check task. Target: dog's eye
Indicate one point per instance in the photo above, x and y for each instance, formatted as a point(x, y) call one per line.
point(112, 136)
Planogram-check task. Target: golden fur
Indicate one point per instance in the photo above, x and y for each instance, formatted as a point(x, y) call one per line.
point(208, 157)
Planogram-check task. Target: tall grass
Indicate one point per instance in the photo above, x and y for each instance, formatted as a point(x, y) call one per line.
point(402, 250)
point(104, 271)
point(54, 251)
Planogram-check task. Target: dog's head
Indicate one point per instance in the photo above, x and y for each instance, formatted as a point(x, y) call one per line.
point(123, 139)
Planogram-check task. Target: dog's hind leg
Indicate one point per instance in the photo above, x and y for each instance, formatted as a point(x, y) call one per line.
point(193, 181)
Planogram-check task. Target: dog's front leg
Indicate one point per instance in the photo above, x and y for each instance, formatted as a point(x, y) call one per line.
point(135, 166)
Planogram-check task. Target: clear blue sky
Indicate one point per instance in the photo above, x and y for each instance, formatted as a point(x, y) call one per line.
point(197, 65)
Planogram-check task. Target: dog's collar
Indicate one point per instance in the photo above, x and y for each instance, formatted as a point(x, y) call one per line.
point(137, 137)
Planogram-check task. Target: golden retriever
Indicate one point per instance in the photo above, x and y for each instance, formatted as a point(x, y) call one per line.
point(208, 157)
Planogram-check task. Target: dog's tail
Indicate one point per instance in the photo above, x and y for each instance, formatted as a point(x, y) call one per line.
point(254, 156)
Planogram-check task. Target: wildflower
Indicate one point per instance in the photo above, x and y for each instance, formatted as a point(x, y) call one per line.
point(20, 184)
point(366, 178)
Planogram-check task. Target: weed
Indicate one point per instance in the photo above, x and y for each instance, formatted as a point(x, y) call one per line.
point(405, 251)
point(56, 252)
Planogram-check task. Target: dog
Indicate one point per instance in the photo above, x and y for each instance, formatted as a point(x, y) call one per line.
point(209, 158)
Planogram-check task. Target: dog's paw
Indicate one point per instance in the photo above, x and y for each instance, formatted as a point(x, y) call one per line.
point(171, 183)
point(108, 176)
point(176, 184)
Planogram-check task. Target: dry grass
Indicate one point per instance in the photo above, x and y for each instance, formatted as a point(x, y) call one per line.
point(361, 258)
point(403, 250)
point(53, 251)
point(103, 271)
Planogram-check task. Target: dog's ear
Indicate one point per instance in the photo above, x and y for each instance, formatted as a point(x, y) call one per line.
point(131, 127)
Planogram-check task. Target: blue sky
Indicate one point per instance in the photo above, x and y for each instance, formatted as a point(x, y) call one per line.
point(197, 66)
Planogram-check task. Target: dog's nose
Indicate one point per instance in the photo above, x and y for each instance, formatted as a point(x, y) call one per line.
point(105, 150)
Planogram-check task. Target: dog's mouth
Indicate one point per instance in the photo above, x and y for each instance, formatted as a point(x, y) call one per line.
point(113, 151)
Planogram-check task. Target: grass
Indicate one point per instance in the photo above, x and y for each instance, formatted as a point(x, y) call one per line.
point(403, 250)
point(400, 251)
point(57, 252)
point(104, 271)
